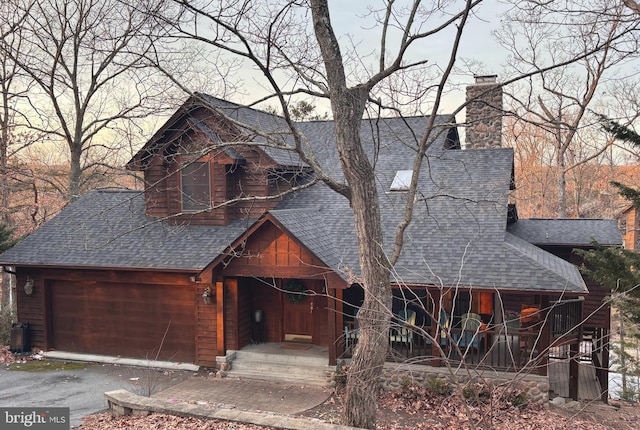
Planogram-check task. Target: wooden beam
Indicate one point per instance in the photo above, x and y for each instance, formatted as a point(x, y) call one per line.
point(220, 318)
point(110, 275)
point(433, 349)
point(574, 369)
point(285, 272)
point(603, 370)
point(545, 336)
point(333, 315)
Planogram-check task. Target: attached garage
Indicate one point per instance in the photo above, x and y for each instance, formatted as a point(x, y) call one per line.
point(134, 320)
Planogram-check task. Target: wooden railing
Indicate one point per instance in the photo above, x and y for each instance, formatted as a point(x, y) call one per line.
point(565, 317)
point(493, 347)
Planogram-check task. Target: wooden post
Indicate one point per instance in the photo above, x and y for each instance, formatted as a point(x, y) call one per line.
point(604, 365)
point(332, 296)
point(435, 333)
point(574, 368)
point(545, 336)
point(220, 319)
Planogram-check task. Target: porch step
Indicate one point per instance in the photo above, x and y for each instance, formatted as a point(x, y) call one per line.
point(287, 368)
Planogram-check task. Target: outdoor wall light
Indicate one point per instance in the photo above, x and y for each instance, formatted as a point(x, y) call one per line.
point(206, 296)
point(28, 286)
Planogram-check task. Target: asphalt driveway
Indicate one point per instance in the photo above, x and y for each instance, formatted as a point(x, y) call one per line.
point(81, 390)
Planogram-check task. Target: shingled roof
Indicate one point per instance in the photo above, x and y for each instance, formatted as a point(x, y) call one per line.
point(109, 229)
point(573, 232)
point(456, 238)
point(457, 235)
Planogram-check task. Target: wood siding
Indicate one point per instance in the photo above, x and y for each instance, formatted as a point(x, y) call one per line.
point(250, 180)
point(595, 312)
point(206, 325)
point(33, 309)
point(269, 300)
point(242, 178)
point(155, 177)
point(270, 252)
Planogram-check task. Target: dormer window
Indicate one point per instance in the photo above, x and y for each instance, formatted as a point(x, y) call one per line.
point(196, 186)
point(401, 181)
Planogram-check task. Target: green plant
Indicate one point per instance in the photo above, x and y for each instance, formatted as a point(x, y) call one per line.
point(517, 398)
point(46, 366)
point(629, 393)
point(476, 394)
point(295, 291)
point(437, 386)
point(405, 381)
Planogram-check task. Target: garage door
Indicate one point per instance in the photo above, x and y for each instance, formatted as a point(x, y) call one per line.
point(130, 320)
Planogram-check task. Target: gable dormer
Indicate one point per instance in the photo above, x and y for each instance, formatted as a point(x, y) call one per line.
point(199, 168)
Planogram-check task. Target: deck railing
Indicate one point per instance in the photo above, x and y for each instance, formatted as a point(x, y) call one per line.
point(565, 317)
point(497, 347)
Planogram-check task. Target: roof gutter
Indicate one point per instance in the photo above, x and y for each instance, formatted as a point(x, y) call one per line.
point(127, 269)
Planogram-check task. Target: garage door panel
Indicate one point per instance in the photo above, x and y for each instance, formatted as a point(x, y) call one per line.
point(128, 320)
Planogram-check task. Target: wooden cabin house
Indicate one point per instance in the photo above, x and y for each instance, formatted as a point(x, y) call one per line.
point(234, 241)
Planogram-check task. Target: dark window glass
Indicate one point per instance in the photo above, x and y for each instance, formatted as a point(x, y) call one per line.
point(196, 187)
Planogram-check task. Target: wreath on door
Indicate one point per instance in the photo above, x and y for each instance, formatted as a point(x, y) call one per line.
point(295, 291)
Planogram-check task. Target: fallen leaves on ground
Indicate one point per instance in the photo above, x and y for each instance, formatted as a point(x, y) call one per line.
point(6, 356)
point(415, 408)
point(105, 421)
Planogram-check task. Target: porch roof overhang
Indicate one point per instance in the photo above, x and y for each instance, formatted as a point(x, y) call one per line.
point(567, 294)
point(235, 249)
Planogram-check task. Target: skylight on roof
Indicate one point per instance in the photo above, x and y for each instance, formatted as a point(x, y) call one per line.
point(401, 181)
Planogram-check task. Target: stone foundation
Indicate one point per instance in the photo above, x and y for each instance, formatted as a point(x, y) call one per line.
point(397, 376)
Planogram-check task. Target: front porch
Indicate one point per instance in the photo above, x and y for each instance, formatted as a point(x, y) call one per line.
point(490, 331)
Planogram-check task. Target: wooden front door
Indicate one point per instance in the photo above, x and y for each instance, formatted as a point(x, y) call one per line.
point(298, 317)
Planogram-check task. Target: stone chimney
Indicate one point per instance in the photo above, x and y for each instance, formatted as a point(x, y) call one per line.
point(484, 113)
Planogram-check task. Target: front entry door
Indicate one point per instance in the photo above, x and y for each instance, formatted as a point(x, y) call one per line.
point(298, 317)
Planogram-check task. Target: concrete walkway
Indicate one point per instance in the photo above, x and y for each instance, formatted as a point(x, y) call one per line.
point(256, 402)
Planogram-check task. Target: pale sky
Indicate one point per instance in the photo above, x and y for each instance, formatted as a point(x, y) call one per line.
point(348, 19)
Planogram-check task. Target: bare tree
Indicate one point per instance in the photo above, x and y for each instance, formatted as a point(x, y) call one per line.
point(277, 41)
point(12, 87)
point(86, 60)
point(11, 17)
point(297, 51)
point(633, 5)
point(559, 100)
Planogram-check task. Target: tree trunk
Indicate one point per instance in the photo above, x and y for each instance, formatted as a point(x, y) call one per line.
point(75, 171)
point(623, 357)
point(4, 190)
point(561, 176)
point(374, 315)
point(562, 192)
point(348, 106)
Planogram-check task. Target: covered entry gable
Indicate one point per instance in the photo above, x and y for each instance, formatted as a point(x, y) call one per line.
point(253, 274)
point(269, 250)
